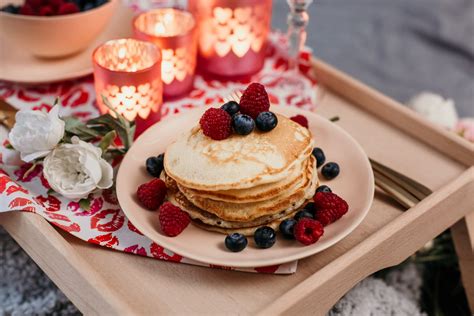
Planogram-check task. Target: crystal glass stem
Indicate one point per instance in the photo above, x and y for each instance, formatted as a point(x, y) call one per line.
point(297, 22)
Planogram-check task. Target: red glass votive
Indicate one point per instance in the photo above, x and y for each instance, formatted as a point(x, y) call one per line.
point(128, 73)
point(174, 32)
point(232, 36)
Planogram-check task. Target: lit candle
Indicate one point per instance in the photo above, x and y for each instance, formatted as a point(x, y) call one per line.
point(128, 73)
point(174, 32)
point(232, 36)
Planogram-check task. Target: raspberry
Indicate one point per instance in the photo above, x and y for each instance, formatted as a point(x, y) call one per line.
point(152, 194)
point(216, 124)
point(172, 219)
point(26, 9)
point(55, 3)
point(308, 231)
point(68, 8)
point(254, 100)
point(329, 207)
point(300, 119)
point(34, 3)
point(46, 11)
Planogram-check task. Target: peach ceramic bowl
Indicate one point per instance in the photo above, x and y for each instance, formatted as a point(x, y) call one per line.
point(56, 36)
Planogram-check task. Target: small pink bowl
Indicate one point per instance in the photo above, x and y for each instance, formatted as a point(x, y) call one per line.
point(56, 36)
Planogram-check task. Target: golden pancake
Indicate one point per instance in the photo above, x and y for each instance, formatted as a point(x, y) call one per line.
point(177, 198)
point(249, 211)
point(196, 161)
point(255, 194)
point(247, 231)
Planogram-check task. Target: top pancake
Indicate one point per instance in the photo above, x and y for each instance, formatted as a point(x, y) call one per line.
point(238, 162)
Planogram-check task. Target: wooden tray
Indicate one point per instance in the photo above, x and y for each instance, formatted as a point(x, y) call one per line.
point(101, 281)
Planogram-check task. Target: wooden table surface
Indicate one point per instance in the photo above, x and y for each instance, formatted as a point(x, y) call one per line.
point(102, 281)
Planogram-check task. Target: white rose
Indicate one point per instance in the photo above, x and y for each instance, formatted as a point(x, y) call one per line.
point(75, 170)
point(36, 133)
point(435, 108)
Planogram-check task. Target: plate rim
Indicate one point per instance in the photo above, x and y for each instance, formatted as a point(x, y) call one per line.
point(268, 262)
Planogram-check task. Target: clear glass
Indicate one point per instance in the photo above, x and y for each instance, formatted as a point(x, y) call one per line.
point(296, 36)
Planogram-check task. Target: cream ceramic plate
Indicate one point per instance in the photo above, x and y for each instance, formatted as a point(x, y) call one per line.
point(18, 65)
point(355, 184)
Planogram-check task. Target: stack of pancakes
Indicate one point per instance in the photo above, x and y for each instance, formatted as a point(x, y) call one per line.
point(243, 182)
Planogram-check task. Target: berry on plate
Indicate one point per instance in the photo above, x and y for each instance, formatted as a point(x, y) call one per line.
point(264, 237)
point(329, 207)
point(287, 227)
point(68, 8)
point(266, 121)
point(152, 194)
point(154, 165)
point(323, 188)
point(243, 124)
point(330, 170)
point(300, 119)
point(309, 207)
point(254, 100)
point(302, 214)
point(308, 231)
point(216, 124)
point(236, 242)
point(172, 219)
point(231, 107)
point(319, 155)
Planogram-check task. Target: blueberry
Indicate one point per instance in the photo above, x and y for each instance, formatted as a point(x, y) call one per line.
point(266, 121)
point(88, 6)
point(10, 9)
point(303, 213)
point(309, 206)
point(243, 124)
point(231, 107)
point(323, 188)
point(264, 237)
point(154, 165)
point(319, 155)
point(236, 242)
point(100, 2)
point(286, 228)
point(330, 170)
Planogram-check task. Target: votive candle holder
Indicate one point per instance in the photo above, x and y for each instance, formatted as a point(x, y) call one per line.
point(128, 73)
point(174, 32)
point(232, 36)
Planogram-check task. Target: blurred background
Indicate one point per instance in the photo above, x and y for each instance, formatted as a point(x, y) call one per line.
point(400, 47)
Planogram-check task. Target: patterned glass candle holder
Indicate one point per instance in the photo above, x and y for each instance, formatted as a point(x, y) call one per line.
point(174, 32)
point(128, 73)
point(232, 36)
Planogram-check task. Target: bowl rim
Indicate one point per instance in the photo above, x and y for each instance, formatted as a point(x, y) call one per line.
point(59, 17)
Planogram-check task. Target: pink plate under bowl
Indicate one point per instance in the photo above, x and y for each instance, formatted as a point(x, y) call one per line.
point(355, 184)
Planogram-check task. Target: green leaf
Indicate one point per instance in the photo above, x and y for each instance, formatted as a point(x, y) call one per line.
point(107, 140)
point(85, 204)
point(121, 119)
point(9, 146)
point(114, 124)
point(51, 192)
point(76, 127)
